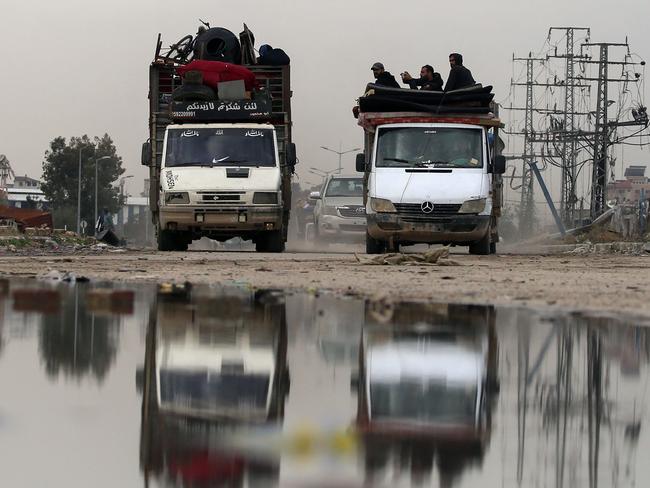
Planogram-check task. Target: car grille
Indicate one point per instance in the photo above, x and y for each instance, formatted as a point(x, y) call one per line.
point(412, 212)
point(220, 198)
point(352, 211)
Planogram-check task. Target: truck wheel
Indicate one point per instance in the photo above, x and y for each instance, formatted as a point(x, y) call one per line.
point(483, 246)
point(373, 246)
point(166, 240)
point(272, 241)
point(493, 247)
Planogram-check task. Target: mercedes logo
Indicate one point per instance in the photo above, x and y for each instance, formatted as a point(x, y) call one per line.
point(427, 207)
point(360, 210)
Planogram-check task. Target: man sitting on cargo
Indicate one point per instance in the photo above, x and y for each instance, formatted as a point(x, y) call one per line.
point(429, 79)
point(383, 77)
point(459, 75)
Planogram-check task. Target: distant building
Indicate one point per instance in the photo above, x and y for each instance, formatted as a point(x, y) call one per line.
point(25, 182)
point(25, 192)
point(629, 190)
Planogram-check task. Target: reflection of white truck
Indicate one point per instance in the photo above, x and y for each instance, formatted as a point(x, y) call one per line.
point(220, 169)
point(431, 373)
point(431, 179)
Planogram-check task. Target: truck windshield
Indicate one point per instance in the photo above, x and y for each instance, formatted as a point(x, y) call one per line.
point(220, 147)
point(433, 402)
point(414, 147)
point(345, 187)
point(207, 390)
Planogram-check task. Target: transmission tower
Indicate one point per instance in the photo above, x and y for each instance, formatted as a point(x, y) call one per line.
point(5, 172)
point(568, 195)
point(527, 204)
point(604, 128)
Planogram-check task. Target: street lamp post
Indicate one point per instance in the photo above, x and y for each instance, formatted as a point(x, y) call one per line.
point(97, 160)
point(340, 153)
point(79, 197)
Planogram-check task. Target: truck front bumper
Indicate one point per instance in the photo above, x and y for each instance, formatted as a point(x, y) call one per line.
point(436, 230)
point(240, 218)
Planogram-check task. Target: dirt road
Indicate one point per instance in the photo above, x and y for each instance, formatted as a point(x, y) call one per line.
point(610, 283)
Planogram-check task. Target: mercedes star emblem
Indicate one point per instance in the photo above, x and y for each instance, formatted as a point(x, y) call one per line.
point(427, 207)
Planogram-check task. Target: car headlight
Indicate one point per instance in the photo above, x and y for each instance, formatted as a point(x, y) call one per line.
point(473, 206)
point(329, 210)
point(177, 198)
point(382, 205)
point(265, 198)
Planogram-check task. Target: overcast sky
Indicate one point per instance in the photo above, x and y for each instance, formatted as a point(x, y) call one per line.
point(73, 67)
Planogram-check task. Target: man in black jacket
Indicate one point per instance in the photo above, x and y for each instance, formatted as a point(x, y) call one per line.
point(429, 79)
point(459, 76)
point(383, 77)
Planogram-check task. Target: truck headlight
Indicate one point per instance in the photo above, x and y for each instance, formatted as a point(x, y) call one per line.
point(473, 206)
point(265, 198)
point(382, 205)
point(177, 198)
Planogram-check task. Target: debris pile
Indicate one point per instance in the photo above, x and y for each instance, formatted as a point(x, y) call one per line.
point(35, 242)
point(432, 257)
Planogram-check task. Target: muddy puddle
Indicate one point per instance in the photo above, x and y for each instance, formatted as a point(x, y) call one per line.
point(211, 386)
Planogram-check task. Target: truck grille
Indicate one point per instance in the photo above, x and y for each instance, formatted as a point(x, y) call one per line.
point(412, 212)
point(352, 211)
point(217, 198)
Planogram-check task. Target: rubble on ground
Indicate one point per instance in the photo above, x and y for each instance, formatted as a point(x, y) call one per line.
point(42, 241)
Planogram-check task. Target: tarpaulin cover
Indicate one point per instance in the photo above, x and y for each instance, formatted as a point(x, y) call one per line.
point(215, 72)
point(26, 217)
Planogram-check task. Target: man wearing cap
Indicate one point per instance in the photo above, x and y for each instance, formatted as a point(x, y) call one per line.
point(383, 77)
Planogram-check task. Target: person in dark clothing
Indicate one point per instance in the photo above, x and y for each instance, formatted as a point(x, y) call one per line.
point(383, 77)
point(429, 79)
point(272, 56)
point(459, 75)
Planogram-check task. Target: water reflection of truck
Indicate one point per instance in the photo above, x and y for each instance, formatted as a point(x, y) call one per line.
point(427, 382)
point(431, 176)
point(220, 168)
point(213, 365)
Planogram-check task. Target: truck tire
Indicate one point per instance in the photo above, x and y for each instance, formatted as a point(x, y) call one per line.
point(166, 240)
point(272, 241)
point(373, 246)
point(493, 247)
point(483, 246)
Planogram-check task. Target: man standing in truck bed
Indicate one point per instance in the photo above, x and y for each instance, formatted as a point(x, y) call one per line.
point(459, 75)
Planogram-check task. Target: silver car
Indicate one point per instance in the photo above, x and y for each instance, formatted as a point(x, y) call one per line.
point(339, 214)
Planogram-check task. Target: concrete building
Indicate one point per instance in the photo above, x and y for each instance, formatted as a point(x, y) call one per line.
point(25, 192)
point(630, 189)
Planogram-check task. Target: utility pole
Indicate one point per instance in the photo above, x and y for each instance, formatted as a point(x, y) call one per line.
point(568, 195)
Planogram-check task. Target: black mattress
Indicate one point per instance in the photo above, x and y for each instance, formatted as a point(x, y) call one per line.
point(471, 100)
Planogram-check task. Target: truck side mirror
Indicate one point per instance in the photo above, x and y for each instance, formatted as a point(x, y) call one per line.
point(292, 159)
point(315, 195)
point(146, 154)
point(361, 162)
point(499, 165)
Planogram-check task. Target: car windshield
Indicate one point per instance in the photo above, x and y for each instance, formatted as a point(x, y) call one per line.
point(421, 401)
point(429, 147)
point(220, 147)
point(344, 187)
point(208, 390)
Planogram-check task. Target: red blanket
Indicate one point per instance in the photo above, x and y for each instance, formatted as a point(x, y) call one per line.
point(215, 72)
